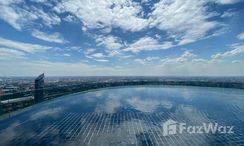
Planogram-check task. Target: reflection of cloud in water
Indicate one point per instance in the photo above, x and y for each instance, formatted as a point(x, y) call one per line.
point(110, 102)
point(166, 104)
point(196, 117)
point(21, 130)
point(192, 114)
point(140, 89)
point(92, 97)
point(88, 114)
point(144, 105)
point(8, 134)
point(122, 133)
point(110, 105)
point(98, 93)
point(13, 132)
point(186, 94)
point(191, 117)
point(52, 112)
point(148, 105)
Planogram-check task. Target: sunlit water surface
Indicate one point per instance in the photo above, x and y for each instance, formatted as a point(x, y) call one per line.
point(128, 116)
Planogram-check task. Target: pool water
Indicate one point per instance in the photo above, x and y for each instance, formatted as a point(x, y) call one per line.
point(133, 115)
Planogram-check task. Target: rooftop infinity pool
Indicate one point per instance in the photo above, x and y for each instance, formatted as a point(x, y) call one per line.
point(133, 115)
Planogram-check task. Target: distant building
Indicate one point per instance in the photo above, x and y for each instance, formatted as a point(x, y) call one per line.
point(1, 92)
point(15, 104)
point(39, 88)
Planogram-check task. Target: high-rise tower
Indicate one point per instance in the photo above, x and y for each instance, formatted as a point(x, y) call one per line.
point(39, 88)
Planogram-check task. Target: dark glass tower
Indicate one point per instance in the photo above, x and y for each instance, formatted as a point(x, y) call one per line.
point(39, 88)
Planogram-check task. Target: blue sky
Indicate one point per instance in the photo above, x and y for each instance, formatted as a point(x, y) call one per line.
point(122, 37)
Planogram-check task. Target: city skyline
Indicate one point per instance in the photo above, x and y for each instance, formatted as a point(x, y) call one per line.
point(125, 37)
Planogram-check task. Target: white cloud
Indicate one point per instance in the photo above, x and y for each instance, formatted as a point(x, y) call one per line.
point(188, 68)
point(48, 19)
point(97, 56)
point(20, 16)
point(124, 14)
point(151, 58)
point(237, 50)
point(39, 1)
point(147, 60)
point(227, 1)
point(185, 57)
point(70, 18)
point(55, 37)
point(89, 51)
point(174, 16)
point(113, 53)
point(26, 47)
point(110, 42)
point(228, 14)
point(146, 44)
point(240, 36)
point(185, 21)
point(66, 55)
point(103, 56)
point(140, 61)
point(236, 61)
point(33, 68)
point(9, 14)
point(6, 54)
